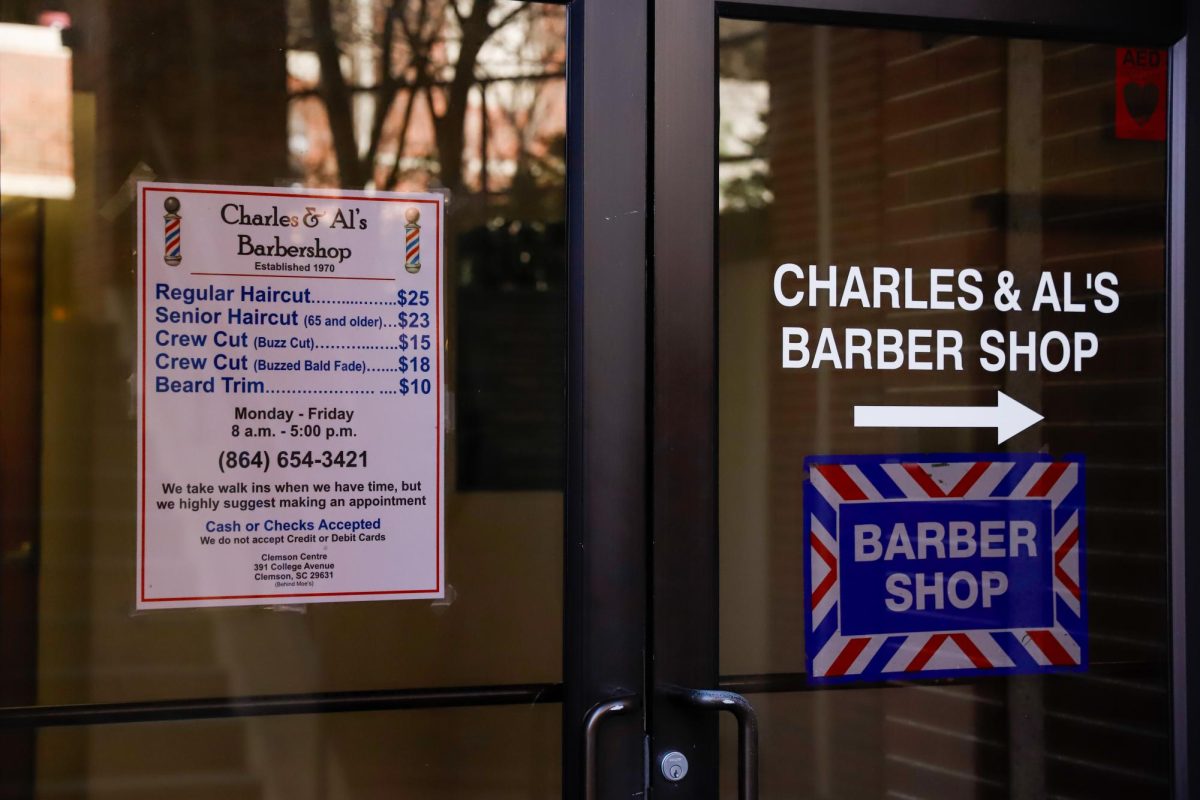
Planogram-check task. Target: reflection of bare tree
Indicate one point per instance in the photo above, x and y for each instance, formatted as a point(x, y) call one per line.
point(425, 58)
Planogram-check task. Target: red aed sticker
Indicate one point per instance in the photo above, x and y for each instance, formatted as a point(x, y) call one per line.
point(1141, 93)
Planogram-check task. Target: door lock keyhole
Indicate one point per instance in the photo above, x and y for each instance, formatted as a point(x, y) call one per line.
point(674, 766)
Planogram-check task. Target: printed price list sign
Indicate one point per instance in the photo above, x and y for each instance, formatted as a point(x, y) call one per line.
point(289, 381)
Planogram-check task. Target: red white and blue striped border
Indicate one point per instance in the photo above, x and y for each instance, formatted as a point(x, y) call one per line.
point(837, 480)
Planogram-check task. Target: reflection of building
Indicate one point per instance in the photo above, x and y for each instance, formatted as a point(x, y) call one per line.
point(166, 90)
point(35, 117)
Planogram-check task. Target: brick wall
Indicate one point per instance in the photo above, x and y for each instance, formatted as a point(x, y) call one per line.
point(923, 170)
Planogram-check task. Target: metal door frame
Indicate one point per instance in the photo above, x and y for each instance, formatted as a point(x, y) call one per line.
point(684, 558)
point(604, 636)
point(604, 586)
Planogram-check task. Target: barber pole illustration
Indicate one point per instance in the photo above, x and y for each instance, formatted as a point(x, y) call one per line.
point(992, 547)
point(172, 232)
point(412, 241)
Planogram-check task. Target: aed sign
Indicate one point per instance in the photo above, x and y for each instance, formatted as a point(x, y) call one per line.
point(1141, 94)
point(933, 566)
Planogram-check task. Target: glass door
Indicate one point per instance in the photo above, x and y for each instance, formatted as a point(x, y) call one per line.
point(921, 542)
point(478, 107)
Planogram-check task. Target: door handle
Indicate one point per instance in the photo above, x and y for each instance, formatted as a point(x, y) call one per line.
point(591, 724)
point(747, 722)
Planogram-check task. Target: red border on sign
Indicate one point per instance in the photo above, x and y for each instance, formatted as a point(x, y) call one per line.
point(437, 421)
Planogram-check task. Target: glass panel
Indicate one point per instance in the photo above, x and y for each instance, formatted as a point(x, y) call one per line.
point(501, 752)
point(954, 742)
point(468, 98)
point(843, 146)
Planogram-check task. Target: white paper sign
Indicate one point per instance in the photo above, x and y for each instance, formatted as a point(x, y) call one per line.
point(289, 396)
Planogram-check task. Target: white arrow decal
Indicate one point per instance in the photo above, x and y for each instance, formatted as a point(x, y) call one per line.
point(1008, 417)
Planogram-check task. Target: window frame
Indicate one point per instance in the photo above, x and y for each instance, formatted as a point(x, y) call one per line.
point(684, 392)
